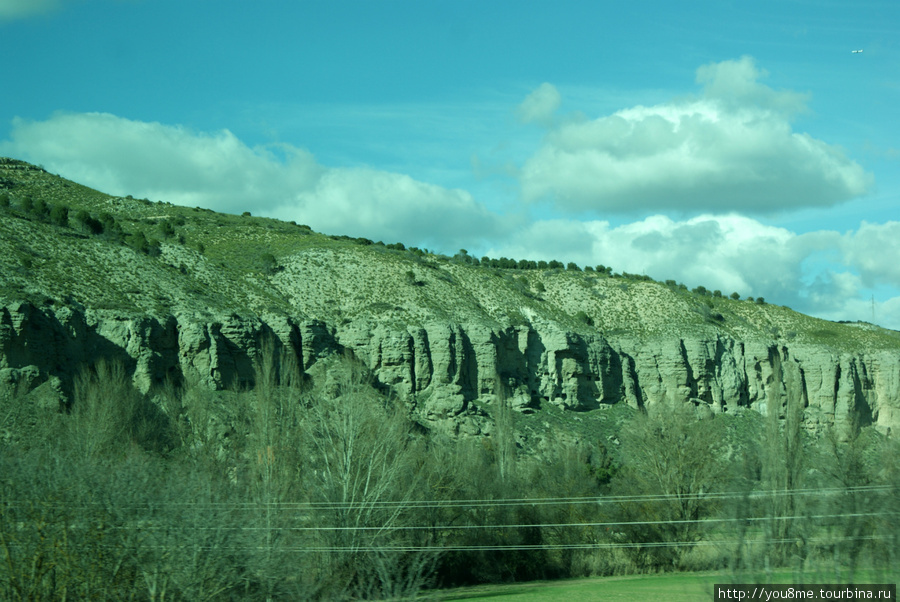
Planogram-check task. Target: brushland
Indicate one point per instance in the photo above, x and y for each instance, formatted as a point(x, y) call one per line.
point(317, 479)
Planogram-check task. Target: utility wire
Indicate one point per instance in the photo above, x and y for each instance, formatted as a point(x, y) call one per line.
point(497, 502)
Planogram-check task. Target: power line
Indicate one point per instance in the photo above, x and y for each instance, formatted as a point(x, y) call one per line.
point(495, 502)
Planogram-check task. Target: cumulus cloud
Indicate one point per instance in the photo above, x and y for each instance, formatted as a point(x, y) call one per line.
point(726, 252)
point(392, 207)
point(20, 9)
point(161, 162)
point(539, 106)
point(218, 171)
point(822, 273)
point(731, 148)
point(873, 249)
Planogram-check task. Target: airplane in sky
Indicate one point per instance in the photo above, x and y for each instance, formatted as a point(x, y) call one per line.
point(856, 51)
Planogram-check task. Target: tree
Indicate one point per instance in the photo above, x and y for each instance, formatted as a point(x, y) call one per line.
point(59, 215)
point(274, 464)
point(361, 477)
point(672, 462)
point(166, 229)
point(40, 209)
point(269, 263)
point(784, 465)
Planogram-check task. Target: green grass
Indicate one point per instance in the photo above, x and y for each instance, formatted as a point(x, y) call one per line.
point(669, 587)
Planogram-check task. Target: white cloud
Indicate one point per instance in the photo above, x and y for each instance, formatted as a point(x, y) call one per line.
point(161, 162)
point(218, 171)
point(392, 207)
point(20, 9)
point(730, 149)
point(812, 272)
point(874, 250)
point(730, 252)
point(539, 106)
point(823, 273)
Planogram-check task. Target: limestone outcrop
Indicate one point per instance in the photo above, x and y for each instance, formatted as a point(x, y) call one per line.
point(446, 370)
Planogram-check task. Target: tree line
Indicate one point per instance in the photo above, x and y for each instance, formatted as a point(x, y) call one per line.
point(329, 490)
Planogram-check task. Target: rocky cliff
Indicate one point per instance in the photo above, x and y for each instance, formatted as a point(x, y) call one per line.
point(447, 370)
point(186, 294)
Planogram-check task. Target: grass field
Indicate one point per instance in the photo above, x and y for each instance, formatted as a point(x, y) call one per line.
point(670, 587)
point(673, 587)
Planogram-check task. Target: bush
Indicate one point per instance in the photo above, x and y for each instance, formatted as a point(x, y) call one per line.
point(88, 223)
point(269, 263)
point(139, 242)
point(41, 210)
point(573, 267)
point(4, 199)
point(736, 296)
point(166, 229)
point(59, 215)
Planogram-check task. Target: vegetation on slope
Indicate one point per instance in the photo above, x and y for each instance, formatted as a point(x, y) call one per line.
point(64, 243)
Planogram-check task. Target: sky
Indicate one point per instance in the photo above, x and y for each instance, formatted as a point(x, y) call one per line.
point(741, 146)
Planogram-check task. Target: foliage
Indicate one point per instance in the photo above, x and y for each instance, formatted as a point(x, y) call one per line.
point(672, 454)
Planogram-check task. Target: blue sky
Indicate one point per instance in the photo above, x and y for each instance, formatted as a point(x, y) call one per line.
point(735, 145)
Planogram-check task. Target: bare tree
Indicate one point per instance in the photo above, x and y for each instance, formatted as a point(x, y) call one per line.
point(671, 463)
point(362, 477)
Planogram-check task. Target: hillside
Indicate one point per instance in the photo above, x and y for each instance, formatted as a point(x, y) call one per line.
point(189, 293)
point(198, 406)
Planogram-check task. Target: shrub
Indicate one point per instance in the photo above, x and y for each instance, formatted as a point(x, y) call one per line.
point(59, 215)
point(245, 214)
point(139, 242)
point(736, 296)
point(4, 199)
point(166, 229)
point(573, 267)
point(41, 210)
point(88, 223)
point(269, 263)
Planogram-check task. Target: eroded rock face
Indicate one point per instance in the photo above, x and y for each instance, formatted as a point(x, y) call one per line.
point(442, 368)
